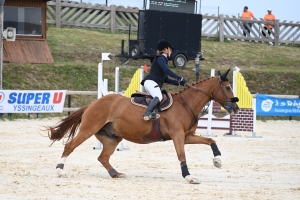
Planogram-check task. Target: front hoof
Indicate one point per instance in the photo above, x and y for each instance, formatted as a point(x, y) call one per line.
point(120, 175)
point(217, 162)
point(191, 180)
point(61, 173)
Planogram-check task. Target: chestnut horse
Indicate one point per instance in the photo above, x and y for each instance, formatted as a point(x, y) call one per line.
point(113, 117)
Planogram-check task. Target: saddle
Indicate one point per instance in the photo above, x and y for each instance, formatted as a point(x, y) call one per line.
point(143, 99)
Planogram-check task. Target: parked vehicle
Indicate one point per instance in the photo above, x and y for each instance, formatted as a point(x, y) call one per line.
point(182, 30)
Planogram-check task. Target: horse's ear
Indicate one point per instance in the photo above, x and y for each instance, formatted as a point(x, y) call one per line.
point(226, 73)
point(223, 76)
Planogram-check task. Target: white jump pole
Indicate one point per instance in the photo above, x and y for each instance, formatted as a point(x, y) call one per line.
point(254, 120)
point(210, 109)
point(123, 143)
point(123, 146)
point(141, 77)
point(100, 76)
point(102, 86)
point(117, 78)
point(117, 83)
point(234, 88)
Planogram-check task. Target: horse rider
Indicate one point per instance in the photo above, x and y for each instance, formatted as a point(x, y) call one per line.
point(158, 75)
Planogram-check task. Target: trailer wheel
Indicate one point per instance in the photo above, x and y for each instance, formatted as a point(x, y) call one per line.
point(135, 51)
point(180, 61)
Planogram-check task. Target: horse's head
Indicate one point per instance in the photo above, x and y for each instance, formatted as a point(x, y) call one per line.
point(224, 94)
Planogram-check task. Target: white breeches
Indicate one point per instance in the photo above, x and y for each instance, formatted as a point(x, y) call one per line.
point(153, 89)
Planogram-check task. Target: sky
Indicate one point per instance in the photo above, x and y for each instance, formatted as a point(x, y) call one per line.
point(283, 10)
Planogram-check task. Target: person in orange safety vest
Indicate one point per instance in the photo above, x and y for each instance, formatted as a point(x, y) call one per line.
point(268, 17)
point(247, 15)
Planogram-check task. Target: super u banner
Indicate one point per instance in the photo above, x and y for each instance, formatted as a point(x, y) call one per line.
point(32, 101)
point(272, 106)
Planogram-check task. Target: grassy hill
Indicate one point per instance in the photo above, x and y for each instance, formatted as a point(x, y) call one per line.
point(267, 69)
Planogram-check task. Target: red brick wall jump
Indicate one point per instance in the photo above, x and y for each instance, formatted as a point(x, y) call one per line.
point(243, 121)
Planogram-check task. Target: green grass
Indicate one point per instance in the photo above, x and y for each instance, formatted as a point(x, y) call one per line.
point(77, 51)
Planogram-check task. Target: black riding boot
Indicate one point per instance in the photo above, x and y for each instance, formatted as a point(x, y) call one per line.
point(150, 113)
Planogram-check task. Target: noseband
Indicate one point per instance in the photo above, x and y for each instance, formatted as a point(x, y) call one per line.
point(225, 102)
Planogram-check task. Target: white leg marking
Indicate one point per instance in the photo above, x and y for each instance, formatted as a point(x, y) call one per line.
point(60, 172)
point(62, 160)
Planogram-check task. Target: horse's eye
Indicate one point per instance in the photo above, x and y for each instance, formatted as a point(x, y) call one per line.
point(228, 88)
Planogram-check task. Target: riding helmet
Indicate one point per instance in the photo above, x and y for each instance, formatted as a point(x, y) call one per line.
point(164, 44)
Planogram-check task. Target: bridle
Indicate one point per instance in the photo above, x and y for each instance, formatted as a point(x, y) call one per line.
point(225, 102)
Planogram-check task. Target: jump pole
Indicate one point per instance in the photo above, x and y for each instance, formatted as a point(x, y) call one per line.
point(141, 78)
point(210, 109)
point(103, 90)
point(123, 143)
point(102, 87)
point(117, 70)
point(254, 120)
point(117, 83)
point(234, 86)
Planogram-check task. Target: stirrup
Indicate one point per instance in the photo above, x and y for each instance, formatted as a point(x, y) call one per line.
point(152, 116)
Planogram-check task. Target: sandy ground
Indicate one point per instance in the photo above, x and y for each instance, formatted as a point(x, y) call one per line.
point(253, 168)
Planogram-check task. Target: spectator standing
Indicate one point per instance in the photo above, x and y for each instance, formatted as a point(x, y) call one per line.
point(247, 15)
point(268, 17)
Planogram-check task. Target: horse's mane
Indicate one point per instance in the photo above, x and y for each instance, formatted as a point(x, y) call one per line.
point(193, 84)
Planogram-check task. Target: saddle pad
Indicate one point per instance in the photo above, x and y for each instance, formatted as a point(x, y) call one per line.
point(144, 101)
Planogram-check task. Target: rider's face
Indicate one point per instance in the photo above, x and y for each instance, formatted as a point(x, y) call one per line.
point(169, 51)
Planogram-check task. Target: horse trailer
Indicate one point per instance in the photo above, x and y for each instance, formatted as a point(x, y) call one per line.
point(182, 30)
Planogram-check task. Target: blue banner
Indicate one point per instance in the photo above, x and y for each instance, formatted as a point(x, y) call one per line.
point(272, 106)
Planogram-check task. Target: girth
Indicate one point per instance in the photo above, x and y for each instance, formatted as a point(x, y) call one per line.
point(155, 134)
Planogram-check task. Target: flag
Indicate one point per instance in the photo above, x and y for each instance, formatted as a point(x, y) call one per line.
point(146, 68)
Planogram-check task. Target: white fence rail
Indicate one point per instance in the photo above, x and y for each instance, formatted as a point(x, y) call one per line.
point(68, 13)
point(64, 13)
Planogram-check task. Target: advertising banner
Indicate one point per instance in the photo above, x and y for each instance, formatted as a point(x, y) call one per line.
point(272, 106)
point(32, 101)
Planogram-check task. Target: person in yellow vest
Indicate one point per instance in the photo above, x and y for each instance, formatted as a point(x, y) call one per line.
point(268, 17)
point(247, 15)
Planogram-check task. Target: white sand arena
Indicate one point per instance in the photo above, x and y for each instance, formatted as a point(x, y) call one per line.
point(253, 168)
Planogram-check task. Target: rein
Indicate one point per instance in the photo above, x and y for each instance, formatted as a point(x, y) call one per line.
point(196, 118)
point(211, 97)
point(232, 100)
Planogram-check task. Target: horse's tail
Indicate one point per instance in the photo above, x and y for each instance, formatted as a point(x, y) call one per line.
point(66, 127)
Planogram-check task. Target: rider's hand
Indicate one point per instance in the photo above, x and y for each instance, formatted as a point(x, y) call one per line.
point(182, 82)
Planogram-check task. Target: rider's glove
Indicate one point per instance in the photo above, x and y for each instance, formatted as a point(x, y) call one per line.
point(182, 81)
